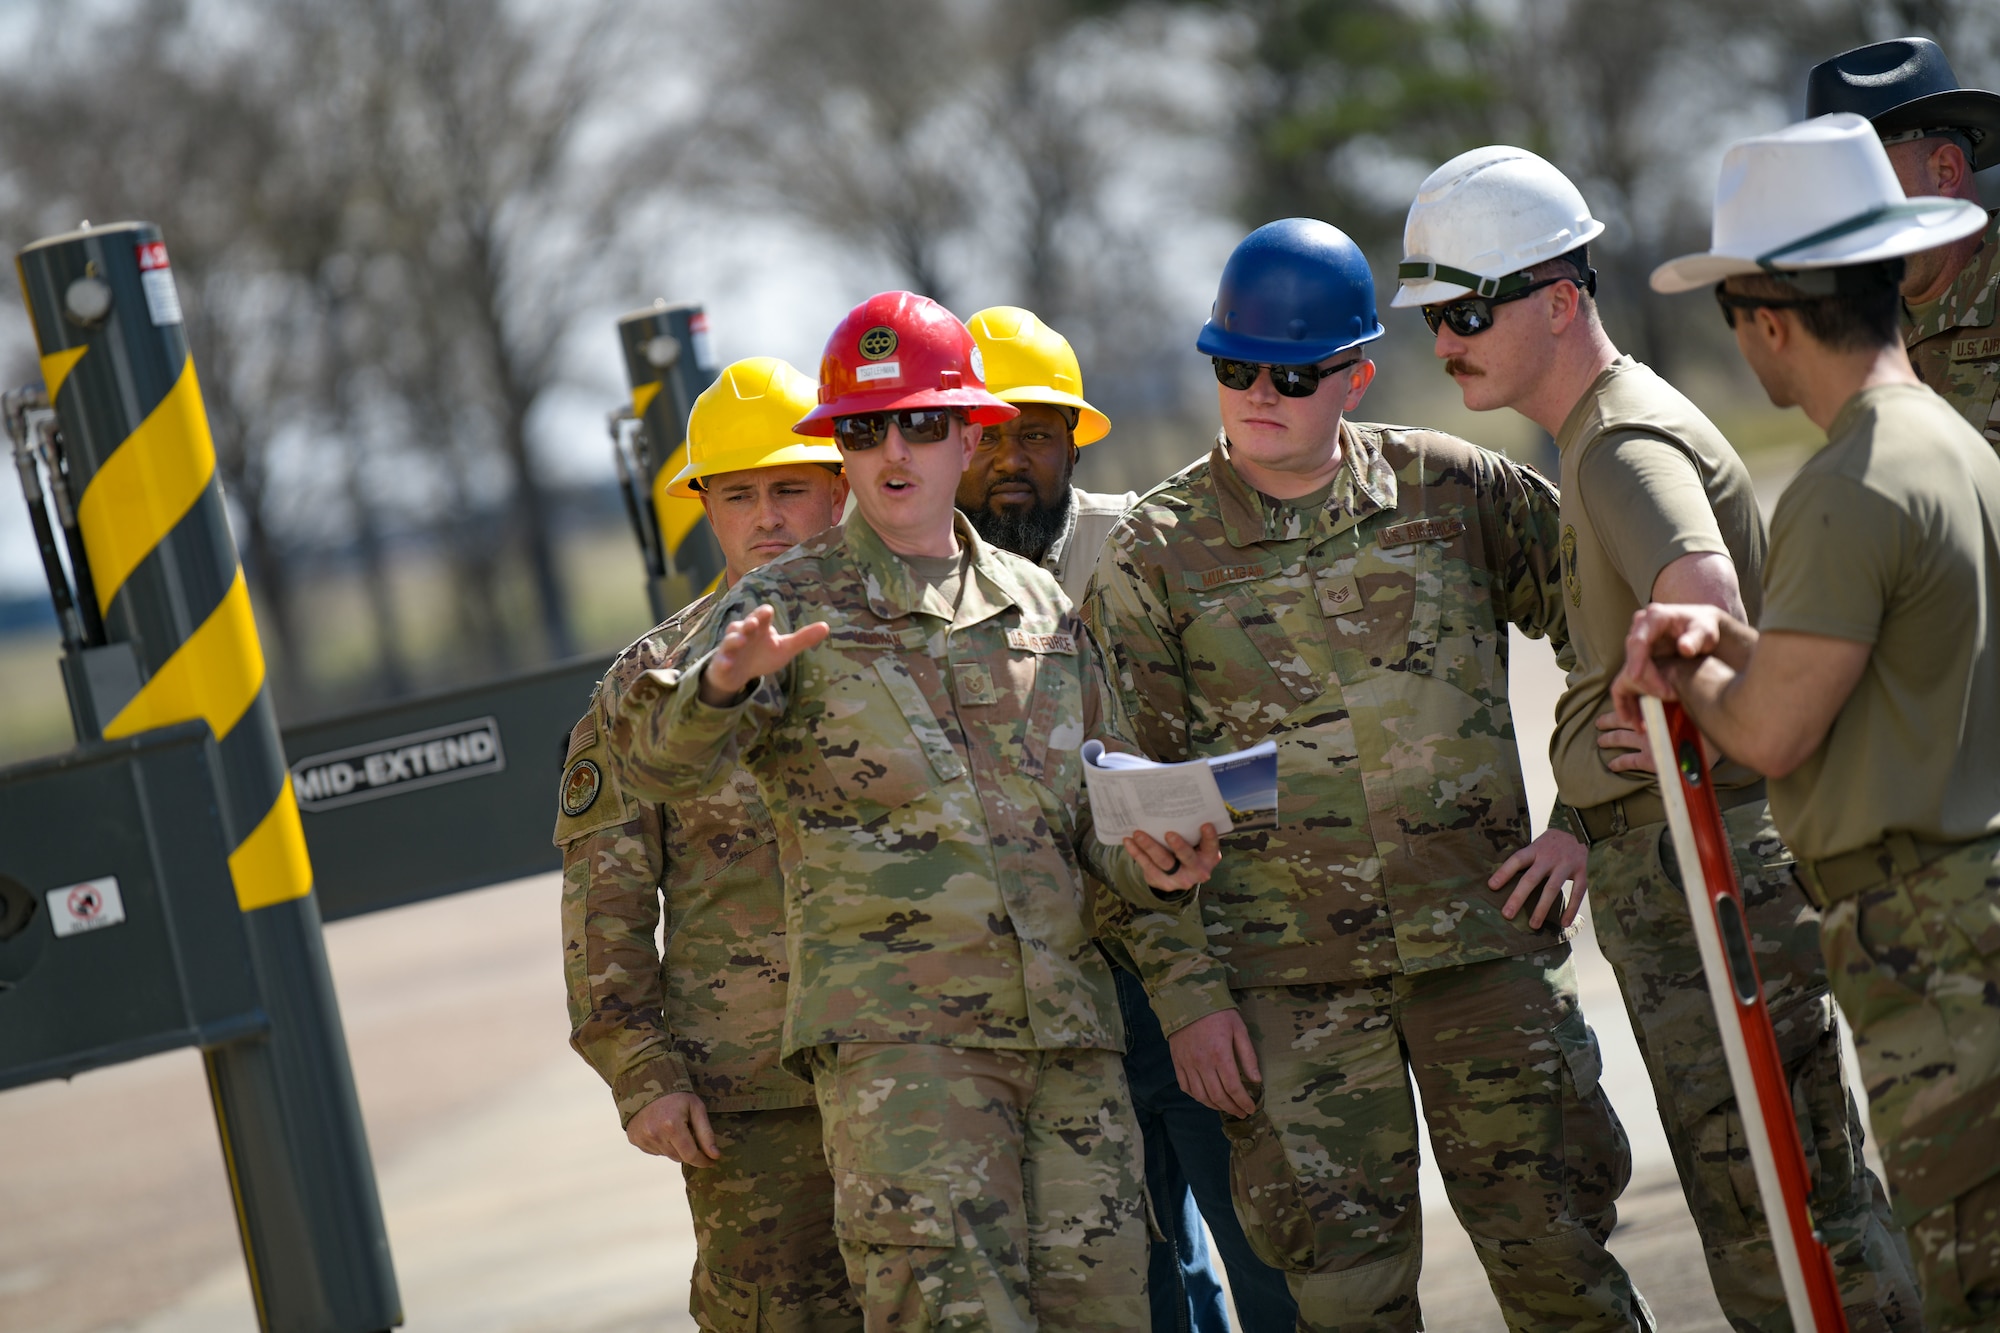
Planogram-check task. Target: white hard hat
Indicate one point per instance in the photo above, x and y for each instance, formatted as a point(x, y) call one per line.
point(1482, 216)
point(1818, 194)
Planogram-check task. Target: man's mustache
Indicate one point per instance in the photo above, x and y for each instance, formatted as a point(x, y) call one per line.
point(1456, 366)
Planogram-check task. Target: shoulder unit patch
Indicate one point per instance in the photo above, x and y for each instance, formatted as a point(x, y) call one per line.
point(581, 783)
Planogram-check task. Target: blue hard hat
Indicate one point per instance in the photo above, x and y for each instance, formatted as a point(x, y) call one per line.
point(1294, 292)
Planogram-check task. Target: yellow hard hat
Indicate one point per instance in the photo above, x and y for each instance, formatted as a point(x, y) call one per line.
point(745, 419)
point(1029, 362)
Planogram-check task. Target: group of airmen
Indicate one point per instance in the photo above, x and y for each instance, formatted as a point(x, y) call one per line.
point(841, 937)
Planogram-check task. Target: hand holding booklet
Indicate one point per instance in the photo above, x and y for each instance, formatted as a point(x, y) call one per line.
point(1131, 794)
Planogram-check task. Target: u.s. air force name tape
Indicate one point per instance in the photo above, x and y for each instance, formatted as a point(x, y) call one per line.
point(397, 764)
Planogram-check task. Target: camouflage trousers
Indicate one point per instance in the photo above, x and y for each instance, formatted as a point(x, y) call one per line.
point(763, 1224)
point(1640, 912)
point(986, 1189)
point(1916, 966)
point(1325, 1172)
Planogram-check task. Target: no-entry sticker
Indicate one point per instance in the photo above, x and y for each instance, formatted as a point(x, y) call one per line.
point(91, 905)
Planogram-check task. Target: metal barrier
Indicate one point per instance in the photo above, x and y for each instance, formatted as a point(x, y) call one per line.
point(163, 884)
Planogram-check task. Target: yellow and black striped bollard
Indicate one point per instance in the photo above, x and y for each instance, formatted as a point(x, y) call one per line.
point(156, 538)
point(668, 364)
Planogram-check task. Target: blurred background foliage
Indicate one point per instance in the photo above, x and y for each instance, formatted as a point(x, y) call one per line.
point(403, 230)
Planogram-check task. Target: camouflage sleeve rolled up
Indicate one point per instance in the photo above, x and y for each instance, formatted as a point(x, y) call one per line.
point(1128, 617)
point(1523, 537)
point(691, 633)
point(612, 865)
point(1168, 951)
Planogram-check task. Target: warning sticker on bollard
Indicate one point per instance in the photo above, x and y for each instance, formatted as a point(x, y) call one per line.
point(398, 764)
point(91, 905)
point(163, 303)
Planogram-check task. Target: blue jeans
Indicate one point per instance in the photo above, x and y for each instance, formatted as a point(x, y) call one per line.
point(1187, 1167)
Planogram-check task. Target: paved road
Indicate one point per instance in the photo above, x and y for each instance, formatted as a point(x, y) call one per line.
point(514, 1204)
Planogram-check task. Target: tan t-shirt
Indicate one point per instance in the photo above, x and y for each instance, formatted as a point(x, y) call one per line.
point(941, 579)
point(1891, 536)
point(1646, 479)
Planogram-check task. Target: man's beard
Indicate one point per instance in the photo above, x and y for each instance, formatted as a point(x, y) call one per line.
point(1027, 532)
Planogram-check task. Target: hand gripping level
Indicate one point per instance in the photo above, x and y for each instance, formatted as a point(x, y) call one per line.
point(1763, 1095)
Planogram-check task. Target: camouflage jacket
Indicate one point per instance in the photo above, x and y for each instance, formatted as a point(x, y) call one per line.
point(706, 1018)
point(924, 779)
point(1368, 638)
point(1087, 521)
point(1954, 341)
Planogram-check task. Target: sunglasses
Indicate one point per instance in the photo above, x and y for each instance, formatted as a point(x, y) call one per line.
point(1731, 302)
point(858, 434)
point(1474, 314)
point(1291, 381)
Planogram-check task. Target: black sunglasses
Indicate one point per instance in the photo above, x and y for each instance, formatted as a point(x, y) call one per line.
point(858, 434)
point(1291, 381)
point(1474, 314)
point(1731, 302)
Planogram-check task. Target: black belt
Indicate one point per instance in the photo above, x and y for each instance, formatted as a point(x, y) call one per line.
point(1832, 878)
point(1641, 808)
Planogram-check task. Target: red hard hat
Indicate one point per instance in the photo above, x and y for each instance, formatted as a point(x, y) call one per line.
point(897, 352)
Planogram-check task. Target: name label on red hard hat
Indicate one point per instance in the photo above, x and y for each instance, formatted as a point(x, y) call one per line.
point(881, 370)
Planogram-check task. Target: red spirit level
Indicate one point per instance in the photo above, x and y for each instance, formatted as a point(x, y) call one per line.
point(1763, 1095)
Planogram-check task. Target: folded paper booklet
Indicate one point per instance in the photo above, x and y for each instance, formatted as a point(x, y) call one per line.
point(1130, 794)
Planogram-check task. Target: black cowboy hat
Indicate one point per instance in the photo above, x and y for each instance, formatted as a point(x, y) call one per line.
point(1906, 84)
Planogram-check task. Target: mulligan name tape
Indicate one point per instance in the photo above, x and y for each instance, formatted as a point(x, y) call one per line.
point(398, 764)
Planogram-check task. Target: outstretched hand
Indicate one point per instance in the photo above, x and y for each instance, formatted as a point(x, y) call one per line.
point(1667, 632)
point(1175, 866)
point(751, 649)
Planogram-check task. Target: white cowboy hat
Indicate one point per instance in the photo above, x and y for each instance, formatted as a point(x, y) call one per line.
point(1818, 194)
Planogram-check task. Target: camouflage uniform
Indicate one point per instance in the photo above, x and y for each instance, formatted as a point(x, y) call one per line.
point(1367, 635)
point(1640, 914)
point(1087, 520)
point(705, 1019)
point(1648, 480)
point(1954, 341)
point(1916, 961)
point(1186, 1152)
point(922, 770)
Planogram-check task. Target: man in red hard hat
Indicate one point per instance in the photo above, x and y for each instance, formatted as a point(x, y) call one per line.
point(910, 701)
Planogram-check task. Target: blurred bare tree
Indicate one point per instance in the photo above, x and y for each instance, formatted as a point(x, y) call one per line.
point(981, 150)
point(393, 221)
point(1342, 106)
point(387, 218)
